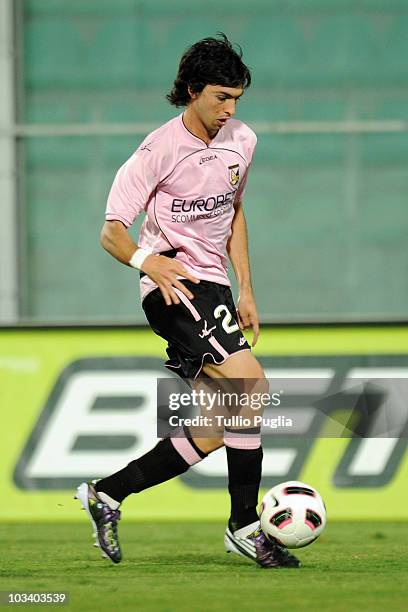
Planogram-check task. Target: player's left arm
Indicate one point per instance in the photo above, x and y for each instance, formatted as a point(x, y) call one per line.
point(237, 249)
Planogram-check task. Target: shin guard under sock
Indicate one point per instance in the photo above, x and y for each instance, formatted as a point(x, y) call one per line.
point(169, 458)
point(244, 476)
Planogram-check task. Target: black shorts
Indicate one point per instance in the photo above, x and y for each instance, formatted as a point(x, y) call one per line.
point(198, 331)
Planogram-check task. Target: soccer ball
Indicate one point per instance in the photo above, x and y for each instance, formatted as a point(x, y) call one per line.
point(293, 513)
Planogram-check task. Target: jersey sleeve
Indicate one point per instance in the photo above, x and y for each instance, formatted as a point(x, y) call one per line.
point(251, 145)
point(131, 189)
point(239, 196)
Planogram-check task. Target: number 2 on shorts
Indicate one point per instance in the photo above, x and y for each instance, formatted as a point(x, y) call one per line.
point(218, 311)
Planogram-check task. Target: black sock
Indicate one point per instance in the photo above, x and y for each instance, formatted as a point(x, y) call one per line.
point(161, 463)
point(244, 475)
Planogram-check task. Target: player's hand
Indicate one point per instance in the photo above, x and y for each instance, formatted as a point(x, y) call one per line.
point(164, 271)
point(247, 313)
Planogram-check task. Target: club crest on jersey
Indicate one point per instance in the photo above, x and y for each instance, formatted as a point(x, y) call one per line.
point(234, 174)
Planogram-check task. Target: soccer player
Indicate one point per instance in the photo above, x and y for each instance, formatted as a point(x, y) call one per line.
point(189, 177)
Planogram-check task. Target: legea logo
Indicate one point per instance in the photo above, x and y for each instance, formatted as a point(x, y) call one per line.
point(102, 413)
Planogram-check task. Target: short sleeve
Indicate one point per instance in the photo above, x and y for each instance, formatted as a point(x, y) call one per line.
point(239, 196)
point(251, 141)
point(131, 190)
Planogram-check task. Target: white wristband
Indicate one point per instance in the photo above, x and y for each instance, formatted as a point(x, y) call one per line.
point(138, 257)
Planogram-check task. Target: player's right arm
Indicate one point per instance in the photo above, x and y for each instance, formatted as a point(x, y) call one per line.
point(116, 240)
point(134, 182)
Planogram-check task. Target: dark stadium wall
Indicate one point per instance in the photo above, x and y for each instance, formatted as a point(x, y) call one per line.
point(326, 203)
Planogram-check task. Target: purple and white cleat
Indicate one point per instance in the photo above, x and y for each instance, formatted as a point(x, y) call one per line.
point(251, 542)
point(104, 521)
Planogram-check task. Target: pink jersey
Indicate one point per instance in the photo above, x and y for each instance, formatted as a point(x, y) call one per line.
point(187, 190)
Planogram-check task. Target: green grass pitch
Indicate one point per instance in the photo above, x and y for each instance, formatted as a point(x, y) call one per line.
point(183, 567)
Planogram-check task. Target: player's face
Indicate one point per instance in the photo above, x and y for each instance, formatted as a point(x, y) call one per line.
point(215, 105)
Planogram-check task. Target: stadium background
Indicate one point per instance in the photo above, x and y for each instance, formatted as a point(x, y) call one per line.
point(326, 208)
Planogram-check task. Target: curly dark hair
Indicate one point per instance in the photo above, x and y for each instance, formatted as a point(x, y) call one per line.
point(210, 61)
